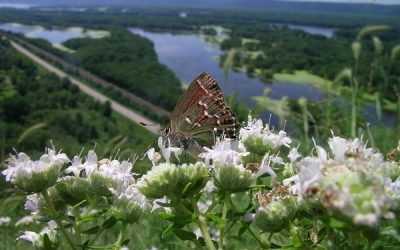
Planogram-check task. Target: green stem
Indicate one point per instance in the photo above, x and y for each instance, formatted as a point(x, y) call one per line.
point(57, 219)
point(121, 236)
point(77, 226)
point(201, 222)
point(223, 224)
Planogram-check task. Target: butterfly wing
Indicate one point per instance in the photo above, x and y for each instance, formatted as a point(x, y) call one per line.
point(202, 111)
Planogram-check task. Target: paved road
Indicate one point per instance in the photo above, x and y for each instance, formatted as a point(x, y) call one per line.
point(137, 118)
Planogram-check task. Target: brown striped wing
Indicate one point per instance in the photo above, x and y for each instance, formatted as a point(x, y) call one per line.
point(203, 111)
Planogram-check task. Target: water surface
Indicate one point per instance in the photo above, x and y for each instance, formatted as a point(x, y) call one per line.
point(56, 36)
point(187, 55)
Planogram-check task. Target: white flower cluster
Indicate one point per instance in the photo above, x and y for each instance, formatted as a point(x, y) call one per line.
point(22, 167)
point(256, 129)
point(354, 182)
point(82, 178)
point(350, 180)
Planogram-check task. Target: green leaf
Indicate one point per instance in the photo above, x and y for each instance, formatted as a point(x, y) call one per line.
point(79, 204)
point(167, 231)
point(92, 230)
point(186, 188)
point(336, 223)
point(110, 222)
point(178, 219)
point(185, 235)
point(47, 242)
point(125, 242)
point(215, 218)
point(322, 233)
point(49, 213)
point(86, 219)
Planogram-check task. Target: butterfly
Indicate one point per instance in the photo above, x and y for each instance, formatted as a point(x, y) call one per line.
point(200, 116)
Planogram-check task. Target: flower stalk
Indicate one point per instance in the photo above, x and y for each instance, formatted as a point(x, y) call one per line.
point(222, 225)
point(57, 220)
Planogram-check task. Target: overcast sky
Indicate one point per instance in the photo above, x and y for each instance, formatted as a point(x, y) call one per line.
point(353, 1)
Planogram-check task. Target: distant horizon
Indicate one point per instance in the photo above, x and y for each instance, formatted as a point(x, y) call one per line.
point(384, 2)
point(24, 3)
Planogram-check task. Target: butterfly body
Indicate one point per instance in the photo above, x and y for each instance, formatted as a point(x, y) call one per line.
point(200, 116)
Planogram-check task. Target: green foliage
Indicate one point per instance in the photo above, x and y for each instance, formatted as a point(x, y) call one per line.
point(131, 64)
point(44, 108)
point(209, 31)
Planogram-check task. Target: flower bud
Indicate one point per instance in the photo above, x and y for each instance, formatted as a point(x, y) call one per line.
point(130, 205)
point(191, 179)
point(73, 189)
point(256, 148)
point(37, 176)
point(233, 178)
point(160, 181)
point(101, 184)
point(276, 215)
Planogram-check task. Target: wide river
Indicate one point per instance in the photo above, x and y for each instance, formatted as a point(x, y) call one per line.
point(187, 55)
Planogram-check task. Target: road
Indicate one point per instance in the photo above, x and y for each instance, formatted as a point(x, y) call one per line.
point(128, 113)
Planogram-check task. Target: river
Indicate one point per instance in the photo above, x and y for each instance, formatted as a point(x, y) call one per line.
point(187, 55)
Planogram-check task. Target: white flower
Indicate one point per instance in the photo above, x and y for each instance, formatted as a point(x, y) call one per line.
point(309, 174)
point(338, 146)
point(76, 166)
point(26, 220)
point(166, 151)
point(293, 155)
point(153, 156)
point(91, 162)
point(13, 164)
point(266, 168)
point(322, 155)
point(293, 183)
point(5, 220)
point(224, 152)
point(52, 158)
point(32, 176)
point(254, 128)
point(119, 172)
point(131, 193)
point(277, 140)
point(31, 203)
point(29, 236)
